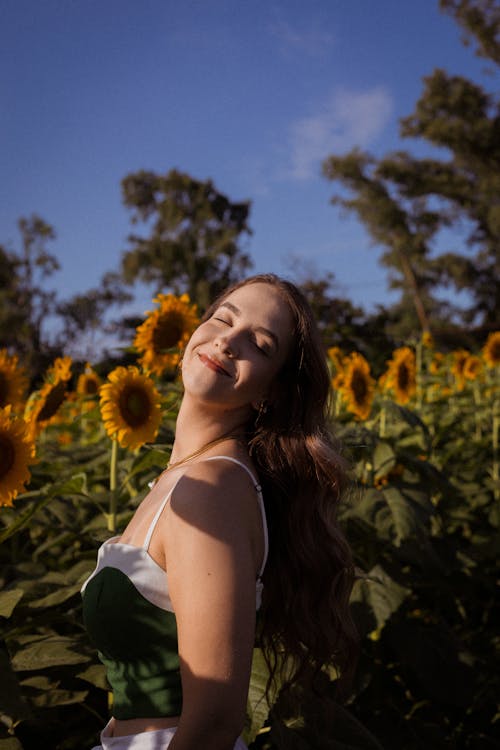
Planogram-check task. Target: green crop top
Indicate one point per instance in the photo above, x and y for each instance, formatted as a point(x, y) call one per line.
point(130, 619)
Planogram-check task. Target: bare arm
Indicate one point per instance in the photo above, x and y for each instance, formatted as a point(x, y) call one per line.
point(211, 563)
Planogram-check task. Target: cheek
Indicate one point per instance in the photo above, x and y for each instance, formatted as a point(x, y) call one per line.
point(195, 340)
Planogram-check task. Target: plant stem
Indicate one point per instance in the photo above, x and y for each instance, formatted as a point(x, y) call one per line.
point(111, 516)
point(477, 403)
point(130, 488)
point(418, 374)
point(382, 424)
point(83, 423)
point(495, 436)
point(337, 403)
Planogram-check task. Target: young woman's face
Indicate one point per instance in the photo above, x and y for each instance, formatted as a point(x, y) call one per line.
point(233, 357)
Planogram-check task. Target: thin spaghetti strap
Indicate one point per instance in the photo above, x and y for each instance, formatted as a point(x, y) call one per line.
point(157, 515)
point(258, 489)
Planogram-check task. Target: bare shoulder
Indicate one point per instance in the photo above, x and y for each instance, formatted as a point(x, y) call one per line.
point(212, 488)
point(214, 503)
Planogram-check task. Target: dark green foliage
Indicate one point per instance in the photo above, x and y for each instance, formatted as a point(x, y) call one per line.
point(345, 325)
point(24, 301)
point(53, 691)
point(90, 311)
point(424, 526)
point(480, 20)
point(424, 529)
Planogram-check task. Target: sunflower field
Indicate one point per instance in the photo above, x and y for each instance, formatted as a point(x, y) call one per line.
point(76, 456)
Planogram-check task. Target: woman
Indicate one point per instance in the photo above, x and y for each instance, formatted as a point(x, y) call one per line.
point(256, 386)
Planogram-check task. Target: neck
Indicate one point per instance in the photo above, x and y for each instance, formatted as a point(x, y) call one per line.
point(197, 426)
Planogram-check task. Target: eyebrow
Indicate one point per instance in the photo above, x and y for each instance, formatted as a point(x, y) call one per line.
point(261, 329)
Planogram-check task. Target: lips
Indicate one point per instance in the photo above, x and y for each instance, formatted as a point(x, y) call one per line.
point(213, 364)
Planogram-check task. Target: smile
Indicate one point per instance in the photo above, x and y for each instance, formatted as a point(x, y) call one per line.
point(213, 364)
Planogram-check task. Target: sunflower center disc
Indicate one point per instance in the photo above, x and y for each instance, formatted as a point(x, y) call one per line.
point(7, 456)
point(53, 401)
point(90, 386)
point(4, 389)
point(359, 387)
point(167, 332)
point(403, 377)
point(134, 407)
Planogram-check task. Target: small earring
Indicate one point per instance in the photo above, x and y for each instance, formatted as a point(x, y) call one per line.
point(262, 408)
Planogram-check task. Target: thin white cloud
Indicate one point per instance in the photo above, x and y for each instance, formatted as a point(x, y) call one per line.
point(347, 119)
point(312, 40)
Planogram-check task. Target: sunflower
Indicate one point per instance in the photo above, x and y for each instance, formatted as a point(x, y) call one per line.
point(427, 340)
point(165, 329)
point(17, 451)
point(357, 387)
point(336, 356)
point(402, 374)
point(436, 363)
point(61, 369)
point(71, 410)
point(43, 405)
point(382, 381)
point(337, 359)
point(472, 367)
point(130, 407)
point(491, 350)
point(460, 357)
point(88, 383)
point(13, 380)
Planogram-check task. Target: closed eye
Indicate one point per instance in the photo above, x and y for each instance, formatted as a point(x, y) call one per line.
point(221, 320)
point(263, 349)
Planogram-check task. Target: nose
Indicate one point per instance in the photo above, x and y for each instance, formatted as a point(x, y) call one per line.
point(227, 343)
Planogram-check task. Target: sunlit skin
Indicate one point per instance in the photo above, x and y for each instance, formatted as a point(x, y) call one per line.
point(210, 537)
point(230, 364)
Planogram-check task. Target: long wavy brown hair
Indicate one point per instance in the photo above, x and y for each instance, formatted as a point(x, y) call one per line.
point(305, 621)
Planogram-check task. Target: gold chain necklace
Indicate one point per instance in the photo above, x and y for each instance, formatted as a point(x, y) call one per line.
point(201, 450)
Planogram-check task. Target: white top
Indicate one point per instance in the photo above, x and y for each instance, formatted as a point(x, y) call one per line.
point(145, 573)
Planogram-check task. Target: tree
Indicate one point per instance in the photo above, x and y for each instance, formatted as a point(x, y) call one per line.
point(24, 302)
point(404, 201)
point(480, 20)
point(194, 232)
point(340, 322)
point(84, 317)
point(405, 230)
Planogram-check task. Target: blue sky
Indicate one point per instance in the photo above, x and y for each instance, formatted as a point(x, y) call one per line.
point(253, 95)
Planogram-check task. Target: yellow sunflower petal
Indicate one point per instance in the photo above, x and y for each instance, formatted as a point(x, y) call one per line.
point(491, 350)
point(460, 357)
point(427, 340)
point(43, 405)
point(17, 452)
point(62, 368)
point(472, 368)
point(130, 407)
point(336, 356)
point(165, 331)
point(13, 380)
point(357, 386)
point(88, 382)
point(401, 375)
